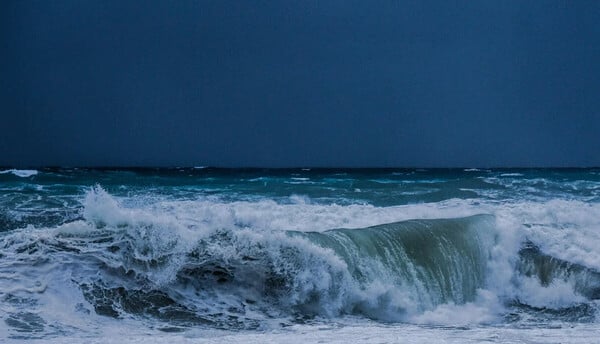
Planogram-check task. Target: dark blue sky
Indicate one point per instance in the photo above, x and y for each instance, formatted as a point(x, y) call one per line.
point(300, 83)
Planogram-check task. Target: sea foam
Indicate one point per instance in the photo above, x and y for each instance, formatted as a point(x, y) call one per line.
point(254, 264)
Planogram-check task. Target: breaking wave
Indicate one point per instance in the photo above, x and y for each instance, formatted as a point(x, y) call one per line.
point(20, 173)
point(194, 263)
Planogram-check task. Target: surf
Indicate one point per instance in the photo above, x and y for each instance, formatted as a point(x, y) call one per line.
point(261, 263)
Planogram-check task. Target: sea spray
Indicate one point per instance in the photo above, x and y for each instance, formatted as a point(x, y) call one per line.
point(202, 250)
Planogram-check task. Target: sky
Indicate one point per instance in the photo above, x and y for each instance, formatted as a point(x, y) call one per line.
point(300, 83)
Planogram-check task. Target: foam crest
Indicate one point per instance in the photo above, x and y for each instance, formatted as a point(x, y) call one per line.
point(566, 229)
point(147, 236)
point(103, 210)
point(302, 215)
point(20, 173)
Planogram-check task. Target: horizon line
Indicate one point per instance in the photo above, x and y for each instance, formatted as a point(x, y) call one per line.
point(250, 167)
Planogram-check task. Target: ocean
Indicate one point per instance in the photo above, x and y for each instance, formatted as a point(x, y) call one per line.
point(209, 255)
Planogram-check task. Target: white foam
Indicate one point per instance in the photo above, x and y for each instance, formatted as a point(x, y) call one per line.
point(155, 235)
point(558, 294)
point(20, 173)
point(566, 229)
point(485, 310)
point(303, 215)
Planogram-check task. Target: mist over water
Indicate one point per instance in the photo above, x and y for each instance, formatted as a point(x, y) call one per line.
point(186, 254)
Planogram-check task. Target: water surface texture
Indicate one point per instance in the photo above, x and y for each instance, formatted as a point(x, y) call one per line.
point(300, 255)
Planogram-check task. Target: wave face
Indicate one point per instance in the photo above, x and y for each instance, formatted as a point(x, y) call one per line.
point(76, 259)
point(424, 263)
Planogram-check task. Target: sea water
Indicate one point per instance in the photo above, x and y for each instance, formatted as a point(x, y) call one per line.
point(300, 255)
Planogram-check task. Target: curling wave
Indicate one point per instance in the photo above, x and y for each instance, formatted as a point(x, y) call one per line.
point(386, 272)
point(124, 262)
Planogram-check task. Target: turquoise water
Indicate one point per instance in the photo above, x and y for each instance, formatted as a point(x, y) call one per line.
point(191, 251)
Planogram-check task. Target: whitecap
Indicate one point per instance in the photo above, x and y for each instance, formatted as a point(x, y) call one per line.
point(20, 173)
point(511, 175)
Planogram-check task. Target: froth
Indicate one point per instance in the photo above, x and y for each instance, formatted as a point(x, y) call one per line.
point(563, 228)
point(154, 238)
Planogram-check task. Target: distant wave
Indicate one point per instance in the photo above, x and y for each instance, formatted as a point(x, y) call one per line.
point(20, 173)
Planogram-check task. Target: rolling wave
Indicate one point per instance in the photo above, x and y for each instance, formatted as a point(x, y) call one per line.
point(184, 269)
